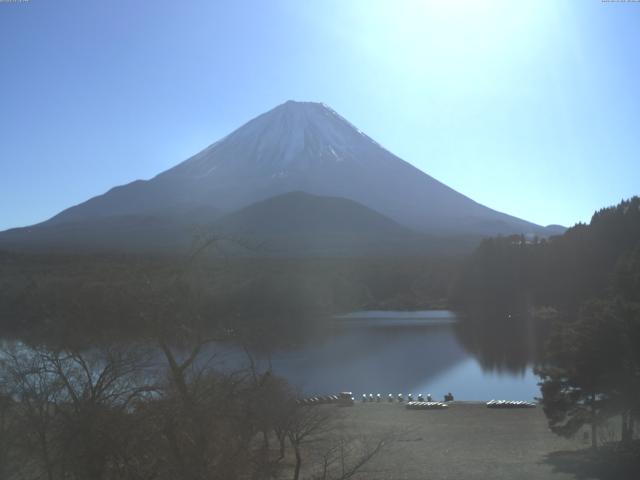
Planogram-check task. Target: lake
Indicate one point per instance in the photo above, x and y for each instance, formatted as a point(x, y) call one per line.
point(398, 352)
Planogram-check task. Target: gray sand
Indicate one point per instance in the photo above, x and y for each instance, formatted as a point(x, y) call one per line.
point(466, 441)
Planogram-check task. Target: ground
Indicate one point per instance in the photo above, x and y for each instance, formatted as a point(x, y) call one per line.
point(470, 441)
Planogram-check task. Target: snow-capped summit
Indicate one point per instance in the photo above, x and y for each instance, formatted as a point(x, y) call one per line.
point(294, 136)
point(299, 146)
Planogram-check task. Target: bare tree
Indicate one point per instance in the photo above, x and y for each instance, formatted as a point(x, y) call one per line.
point(320, 440)
point(73, 407)
point(7, 430)
point(346, 457)
point(36, 393)
point(306, 424)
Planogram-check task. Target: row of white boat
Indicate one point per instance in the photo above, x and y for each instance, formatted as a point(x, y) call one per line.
point(395, 398)
point(426, 405)
point(347, 397)
point(320, 399)
point(510, 404)
point(421, 402)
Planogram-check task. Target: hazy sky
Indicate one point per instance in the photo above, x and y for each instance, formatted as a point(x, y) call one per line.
point(531, 108)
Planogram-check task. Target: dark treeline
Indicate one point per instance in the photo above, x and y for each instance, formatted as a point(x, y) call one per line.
point(513, 288)
point(587, 261)
point(578, 297)
point(62, 297)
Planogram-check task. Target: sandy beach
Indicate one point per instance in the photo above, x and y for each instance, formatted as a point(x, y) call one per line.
point(468, 441)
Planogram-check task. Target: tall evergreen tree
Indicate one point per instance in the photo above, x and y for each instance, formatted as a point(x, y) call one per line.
point(592, 369)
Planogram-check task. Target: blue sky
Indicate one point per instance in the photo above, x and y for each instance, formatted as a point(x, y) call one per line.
point(531, 108)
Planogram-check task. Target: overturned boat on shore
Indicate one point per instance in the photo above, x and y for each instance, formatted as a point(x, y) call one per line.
point(510, 404)
point(426, 406)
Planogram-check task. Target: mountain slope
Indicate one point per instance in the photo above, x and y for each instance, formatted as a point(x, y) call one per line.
point(298, 222)
point(303, 146)
point(296, 147)
point(294, 212)
point(130, 233)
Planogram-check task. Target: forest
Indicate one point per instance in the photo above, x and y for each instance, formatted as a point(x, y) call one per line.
point(579, 294)
point(66, 297)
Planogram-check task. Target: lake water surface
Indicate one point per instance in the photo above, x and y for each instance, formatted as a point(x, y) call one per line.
point(399, 352)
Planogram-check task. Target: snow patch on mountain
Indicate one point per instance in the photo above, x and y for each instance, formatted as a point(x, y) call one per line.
point(294, 135)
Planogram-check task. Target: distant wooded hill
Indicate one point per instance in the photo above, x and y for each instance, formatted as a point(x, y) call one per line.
point(587, 261)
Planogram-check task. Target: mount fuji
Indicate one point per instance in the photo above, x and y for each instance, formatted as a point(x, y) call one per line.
point(296, 147)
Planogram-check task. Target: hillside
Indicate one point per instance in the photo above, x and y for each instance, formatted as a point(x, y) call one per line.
point(300, 222)
point(587, 261)
point(295, 147)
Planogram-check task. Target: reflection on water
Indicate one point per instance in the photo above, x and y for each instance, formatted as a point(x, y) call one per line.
point(502, 342)
point(406, 352)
